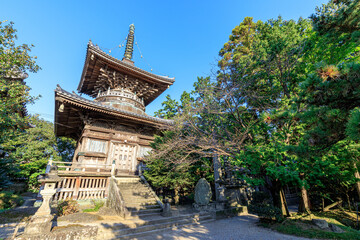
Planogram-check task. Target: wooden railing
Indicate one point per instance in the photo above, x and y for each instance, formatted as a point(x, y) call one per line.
point(79, 188)
point(76, 168)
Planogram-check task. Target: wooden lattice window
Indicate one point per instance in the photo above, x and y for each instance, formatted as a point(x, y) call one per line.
point(96, 146)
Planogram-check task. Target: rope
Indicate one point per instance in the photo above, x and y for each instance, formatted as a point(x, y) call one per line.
point(142, 55)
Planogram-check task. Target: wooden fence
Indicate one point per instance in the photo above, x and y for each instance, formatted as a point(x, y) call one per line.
point(78, 168)
point(79, 188)
point(82, 181)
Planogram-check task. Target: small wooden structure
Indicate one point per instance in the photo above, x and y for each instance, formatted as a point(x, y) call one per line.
point(112, 130)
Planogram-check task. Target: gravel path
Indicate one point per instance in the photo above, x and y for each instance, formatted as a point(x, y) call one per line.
point(236, 228)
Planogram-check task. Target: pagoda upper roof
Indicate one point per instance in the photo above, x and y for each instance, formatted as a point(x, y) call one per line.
point(78, 102)
point(97, 60)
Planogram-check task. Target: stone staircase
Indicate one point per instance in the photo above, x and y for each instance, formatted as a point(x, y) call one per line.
point(141, 228)
point(138, 197)
point(145, 215)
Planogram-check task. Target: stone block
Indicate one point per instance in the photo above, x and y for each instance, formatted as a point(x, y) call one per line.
point(335, 228)
point(321, 223)
point(39, 224)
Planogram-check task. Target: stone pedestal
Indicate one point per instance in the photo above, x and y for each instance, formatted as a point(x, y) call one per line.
point(39, 225)
point(41, 222)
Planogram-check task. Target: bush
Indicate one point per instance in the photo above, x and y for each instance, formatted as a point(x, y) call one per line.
point(267, 211)
point(260, 197)
point(66, 207)
point(9, 200)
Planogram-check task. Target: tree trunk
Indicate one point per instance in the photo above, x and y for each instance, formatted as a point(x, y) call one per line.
point(284, 206)
point(348, 201)
point(279, 199)
point(176, 197)
point(357, 184)
point(332, 205)
point(304, 203)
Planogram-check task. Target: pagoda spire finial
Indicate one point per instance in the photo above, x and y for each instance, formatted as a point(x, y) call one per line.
point(130, 43)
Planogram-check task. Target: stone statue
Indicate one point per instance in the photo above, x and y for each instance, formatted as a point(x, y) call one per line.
point(203, 192)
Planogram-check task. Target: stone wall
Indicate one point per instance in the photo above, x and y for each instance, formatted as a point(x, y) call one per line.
point(115, 200)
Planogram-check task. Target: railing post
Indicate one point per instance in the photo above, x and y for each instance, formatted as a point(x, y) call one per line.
point(107, 187)
point(77, 187)
point(113, 169)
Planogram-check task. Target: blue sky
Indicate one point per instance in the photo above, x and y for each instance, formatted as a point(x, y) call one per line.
point(179, 39)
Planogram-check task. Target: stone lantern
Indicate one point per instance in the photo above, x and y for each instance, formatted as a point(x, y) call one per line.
point(41, 222)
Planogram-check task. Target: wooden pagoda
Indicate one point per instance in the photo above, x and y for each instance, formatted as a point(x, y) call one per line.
point(112, 129)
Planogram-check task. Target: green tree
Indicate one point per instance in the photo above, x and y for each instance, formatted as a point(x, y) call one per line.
point(15, 61)
point(30, 150)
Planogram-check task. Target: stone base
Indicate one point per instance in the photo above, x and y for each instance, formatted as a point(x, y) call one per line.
point(230, 212)
point(39, 225)
point(65, 233)
point(211, 206)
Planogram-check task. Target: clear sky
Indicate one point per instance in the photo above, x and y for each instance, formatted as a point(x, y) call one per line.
point(180, 39)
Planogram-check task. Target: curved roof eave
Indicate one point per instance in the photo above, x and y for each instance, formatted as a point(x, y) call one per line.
point(123, 65)
point(109, 109)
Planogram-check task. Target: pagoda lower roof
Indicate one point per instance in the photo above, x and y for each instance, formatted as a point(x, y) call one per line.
point(73, 101)
point(97, 59)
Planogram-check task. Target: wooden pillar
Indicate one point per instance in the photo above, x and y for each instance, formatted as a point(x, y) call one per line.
point(77, 187)
point(107, 187)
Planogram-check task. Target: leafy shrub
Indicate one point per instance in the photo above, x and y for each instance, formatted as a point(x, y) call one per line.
point(66, 207)
point(260, 197)
point(10, 200)
point(267, 212)
point(97, 205)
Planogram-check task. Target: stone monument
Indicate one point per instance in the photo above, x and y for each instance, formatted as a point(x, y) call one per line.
point(41, 222)
point(203, 195)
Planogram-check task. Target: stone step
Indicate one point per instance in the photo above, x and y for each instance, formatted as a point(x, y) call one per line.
point(121, 231)
point(130, 184)
point(134, 189)
point(135, 199)
point(139, 200)
point(141, 205)
point(145, 212)
point(132, 197)
point(143, 235)
point(136, 194)
point(128, 180)
point(133, 207)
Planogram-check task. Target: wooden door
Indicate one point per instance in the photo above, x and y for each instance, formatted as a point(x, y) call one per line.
point(124, 156)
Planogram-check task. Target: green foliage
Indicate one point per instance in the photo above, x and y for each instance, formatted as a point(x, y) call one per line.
point(15, 61)
point(306, 229)
point(66, 207)
point(260, 197)
point(31, 149)
point(267, 212)
point(9, 200)
point(352, 126)
point(284, 108)
point(97, 205)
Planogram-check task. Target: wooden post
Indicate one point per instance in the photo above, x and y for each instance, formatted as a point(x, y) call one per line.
point(77, 187)
point(107, 187)
point(113, 169)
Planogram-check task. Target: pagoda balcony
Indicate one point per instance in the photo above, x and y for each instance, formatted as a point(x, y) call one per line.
point(120, 99)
